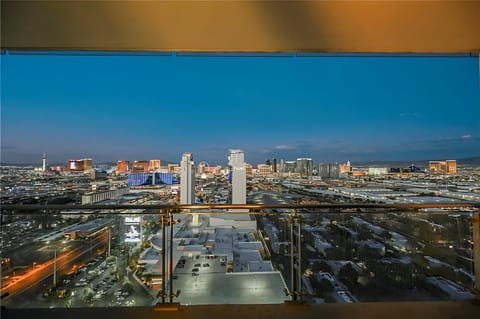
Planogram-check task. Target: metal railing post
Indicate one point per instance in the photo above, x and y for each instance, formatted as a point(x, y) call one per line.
point(476, 251)
point(163, 255)
point(292, 261)
point(170, 260)
point(299, 260)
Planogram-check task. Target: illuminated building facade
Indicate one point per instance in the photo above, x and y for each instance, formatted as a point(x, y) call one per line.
point(345, 168)
point(149, 179)
point(123, 166)
point(443, 167)
point(140, 167)
point(264, 169)
point(154, 165)
point(82, 165)
point(173, 168)
point(249, 170)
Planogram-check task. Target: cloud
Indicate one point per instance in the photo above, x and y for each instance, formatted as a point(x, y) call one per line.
point(284, 147)
point(466, 136)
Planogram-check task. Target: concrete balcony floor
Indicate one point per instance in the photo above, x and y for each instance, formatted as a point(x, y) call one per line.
point(388, 310)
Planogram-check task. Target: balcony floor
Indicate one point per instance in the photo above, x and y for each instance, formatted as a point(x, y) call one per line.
point(390, 310)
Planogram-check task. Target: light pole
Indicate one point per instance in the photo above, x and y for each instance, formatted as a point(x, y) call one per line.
point(109, 244)
point(54, 268)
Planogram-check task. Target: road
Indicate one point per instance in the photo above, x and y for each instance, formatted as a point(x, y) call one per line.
point(66, 259)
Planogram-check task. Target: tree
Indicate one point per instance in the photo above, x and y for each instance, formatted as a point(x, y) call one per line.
point(323, 287)
point(386, 235)
point(348, 275)
point(88, 294)
point(127, 286)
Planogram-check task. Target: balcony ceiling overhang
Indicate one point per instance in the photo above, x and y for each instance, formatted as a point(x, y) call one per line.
point(243, 26)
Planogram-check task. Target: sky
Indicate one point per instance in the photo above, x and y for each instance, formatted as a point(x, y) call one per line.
point(329, 108)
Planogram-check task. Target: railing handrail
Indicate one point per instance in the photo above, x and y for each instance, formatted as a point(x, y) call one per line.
point(181, 208)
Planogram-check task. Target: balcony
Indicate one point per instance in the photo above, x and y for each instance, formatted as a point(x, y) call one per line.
point(363, 260)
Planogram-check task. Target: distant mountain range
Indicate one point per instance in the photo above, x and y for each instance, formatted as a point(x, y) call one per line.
point(475, 161)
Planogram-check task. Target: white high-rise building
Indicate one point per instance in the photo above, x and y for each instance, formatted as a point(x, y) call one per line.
point(187, 180)
point(44, 162)
point(236, 162)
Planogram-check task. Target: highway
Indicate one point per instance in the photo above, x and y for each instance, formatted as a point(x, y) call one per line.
point(66, 259)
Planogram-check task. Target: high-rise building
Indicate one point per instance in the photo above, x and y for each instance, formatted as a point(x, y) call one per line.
point(305, 167)
point(289, 166)
point(154, 165)
point(236, 163)
point(82, 165)
point(201, 168)
point(329, 171)
point(443, 167)
point(123, 166)
point(249, 170)
point(274, 165)
point(345, 168)
point(44, 163)
point(264, 169)
point(282, 165)
point(140, 167)
point(187, 179)
point(173, 168)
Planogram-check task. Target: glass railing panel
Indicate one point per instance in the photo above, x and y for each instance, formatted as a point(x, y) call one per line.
point(397, 256)
point(114, 257)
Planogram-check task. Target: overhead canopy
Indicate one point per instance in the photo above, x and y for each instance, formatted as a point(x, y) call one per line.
point(242, 26)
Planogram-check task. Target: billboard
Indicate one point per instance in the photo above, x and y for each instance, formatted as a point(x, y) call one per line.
point(132, 229)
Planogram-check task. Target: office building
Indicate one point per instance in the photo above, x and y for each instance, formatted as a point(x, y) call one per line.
point(275, 165)
point(236, 163)
point(187, 179)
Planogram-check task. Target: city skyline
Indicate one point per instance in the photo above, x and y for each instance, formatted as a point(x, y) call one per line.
point(332, 109)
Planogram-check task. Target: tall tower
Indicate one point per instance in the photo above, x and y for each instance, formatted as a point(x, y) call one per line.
point(44, 162)
point(236, 163)
point(187, 179)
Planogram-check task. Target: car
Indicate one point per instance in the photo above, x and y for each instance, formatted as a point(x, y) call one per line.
point(206, 265)
point(197, 265)
point(195, 274)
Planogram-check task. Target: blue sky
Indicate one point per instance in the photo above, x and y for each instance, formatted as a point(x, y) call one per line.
point(332, 109)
